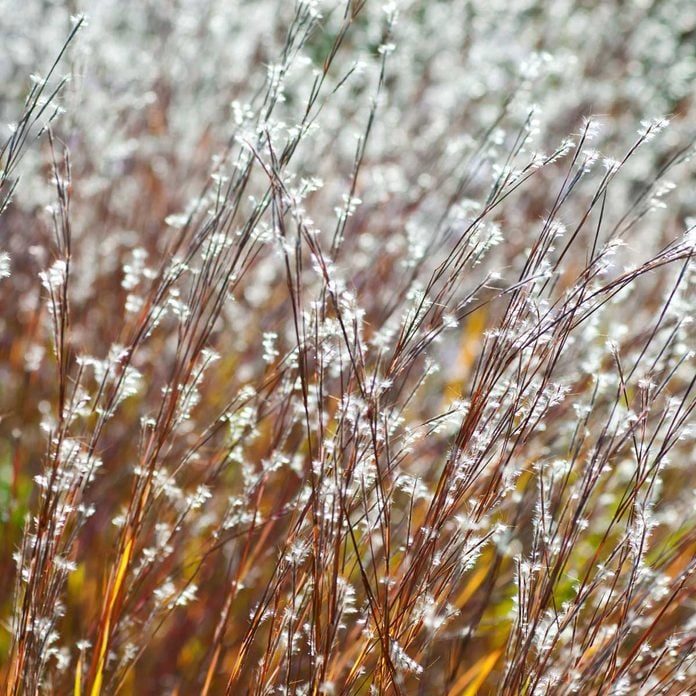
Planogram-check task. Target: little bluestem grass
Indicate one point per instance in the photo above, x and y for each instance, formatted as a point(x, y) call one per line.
point(347, 348)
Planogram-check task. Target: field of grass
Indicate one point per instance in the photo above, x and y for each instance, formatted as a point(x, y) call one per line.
point(347, 347)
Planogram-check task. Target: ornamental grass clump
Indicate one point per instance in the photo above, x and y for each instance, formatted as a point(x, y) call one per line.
point(346, 347)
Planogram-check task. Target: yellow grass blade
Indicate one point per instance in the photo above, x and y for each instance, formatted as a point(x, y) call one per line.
point(468, 684)
point(77, 690)
point(121, 573)
point(486, 668)
point(474, 583)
